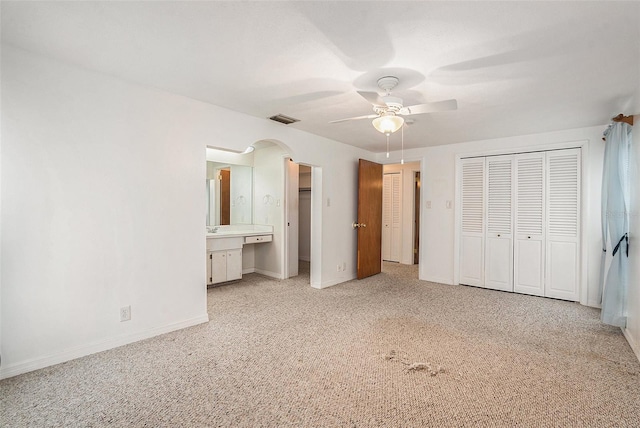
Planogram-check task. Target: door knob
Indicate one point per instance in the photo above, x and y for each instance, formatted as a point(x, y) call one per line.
point(356, 225)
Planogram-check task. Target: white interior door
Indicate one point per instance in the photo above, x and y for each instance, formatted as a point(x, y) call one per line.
point(391, 216)
point(499, 224)
point(472, 210)
point(529, 246)
point(563, 224)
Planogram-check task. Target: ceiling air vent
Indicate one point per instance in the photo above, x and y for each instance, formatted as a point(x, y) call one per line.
point(284, 119)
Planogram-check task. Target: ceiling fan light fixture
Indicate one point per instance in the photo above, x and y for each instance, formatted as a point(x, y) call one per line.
point(388, 123)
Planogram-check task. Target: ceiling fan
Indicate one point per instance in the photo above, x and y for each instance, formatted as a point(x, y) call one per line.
point(388, 109)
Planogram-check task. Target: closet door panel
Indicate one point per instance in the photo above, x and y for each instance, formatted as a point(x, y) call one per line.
point(472, 210)
point(562, 272)
point(529, 224)
point(529, 263)
point(499, 223)
point(391, 216)
point(386, 216)
point(563, 224)
point(472, 261)
point(396, 217)
point(499, 263)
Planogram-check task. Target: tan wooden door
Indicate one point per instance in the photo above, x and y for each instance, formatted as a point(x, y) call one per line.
point(416, 221)
point(225, 197)
point(369, 225)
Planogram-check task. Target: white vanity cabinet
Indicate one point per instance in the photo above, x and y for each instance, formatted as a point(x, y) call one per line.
point(224, 250)
point(224, 265)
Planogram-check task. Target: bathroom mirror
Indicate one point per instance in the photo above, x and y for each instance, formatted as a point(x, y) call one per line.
point(229, 188)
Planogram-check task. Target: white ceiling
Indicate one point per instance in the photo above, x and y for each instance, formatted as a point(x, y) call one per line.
point(515, 67)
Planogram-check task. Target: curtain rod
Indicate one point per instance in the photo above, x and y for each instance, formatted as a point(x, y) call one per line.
point(622, 118)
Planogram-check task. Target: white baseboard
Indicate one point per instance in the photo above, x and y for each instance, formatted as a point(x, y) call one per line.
point(268, 273)
point(635, 346)
point(103, 345)
point(446, 281)
point(331, 282)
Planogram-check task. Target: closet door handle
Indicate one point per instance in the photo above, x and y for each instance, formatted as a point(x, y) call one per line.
point(528, 237)
point(498, 235)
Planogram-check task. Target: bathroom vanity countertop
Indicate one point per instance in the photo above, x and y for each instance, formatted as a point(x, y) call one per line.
point(241, 230)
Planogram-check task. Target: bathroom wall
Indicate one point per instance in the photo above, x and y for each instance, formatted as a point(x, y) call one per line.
point(241, 194)
point(269, 208)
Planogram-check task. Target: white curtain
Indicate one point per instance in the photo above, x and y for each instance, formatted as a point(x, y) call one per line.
point(616, 193)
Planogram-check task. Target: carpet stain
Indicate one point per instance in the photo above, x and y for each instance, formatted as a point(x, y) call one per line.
point(403, 358)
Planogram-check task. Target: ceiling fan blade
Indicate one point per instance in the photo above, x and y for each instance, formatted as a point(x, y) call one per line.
point(429, 107)
point(369, 116)
point(373, 97)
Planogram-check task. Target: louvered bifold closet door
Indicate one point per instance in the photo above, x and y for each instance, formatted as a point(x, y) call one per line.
point(563, 224)
point(386, 216)
point(472, 210)
point(529, 248)
point(391, 216)
point(498, 273)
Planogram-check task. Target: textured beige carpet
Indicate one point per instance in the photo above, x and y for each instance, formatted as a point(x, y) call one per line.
point(386, 351)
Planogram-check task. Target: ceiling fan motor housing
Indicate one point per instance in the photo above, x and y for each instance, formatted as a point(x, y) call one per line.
point(393, 105)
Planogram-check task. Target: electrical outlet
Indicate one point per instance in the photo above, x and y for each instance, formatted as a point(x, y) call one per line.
point(125, 313)
point(344, 266)
point(338, 268)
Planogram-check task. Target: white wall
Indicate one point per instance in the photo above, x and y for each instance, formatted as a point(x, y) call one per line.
point(104, 194)
point(90, 225)
point(632, 332)
point(437, 236)
point(408, 171)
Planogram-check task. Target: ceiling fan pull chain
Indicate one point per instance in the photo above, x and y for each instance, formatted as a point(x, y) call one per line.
point(387, 146)
point(402, 158)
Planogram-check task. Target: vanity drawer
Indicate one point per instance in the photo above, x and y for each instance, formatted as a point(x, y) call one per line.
point(230, 243)
point(258, 239)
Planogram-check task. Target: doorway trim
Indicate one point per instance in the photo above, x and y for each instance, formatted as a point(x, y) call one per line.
point(315, 275)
